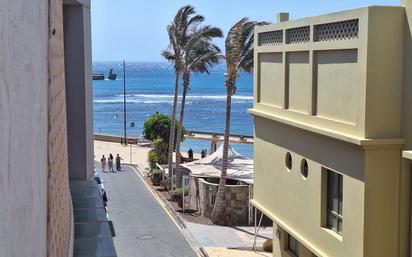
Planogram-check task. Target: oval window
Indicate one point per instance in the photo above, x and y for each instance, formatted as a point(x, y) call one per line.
point(304, 169)
point(288, 161)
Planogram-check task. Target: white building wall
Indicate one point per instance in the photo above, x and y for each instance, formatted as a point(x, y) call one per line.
point(23, 127)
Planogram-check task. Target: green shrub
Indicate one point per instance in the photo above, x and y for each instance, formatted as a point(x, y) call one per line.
point(161, 148)
point(157, 177)
point(152, 158)
point(177, 193)
point(157, 127)
point(166, 183)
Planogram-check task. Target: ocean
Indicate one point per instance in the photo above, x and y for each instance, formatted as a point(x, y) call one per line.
point(150, 89)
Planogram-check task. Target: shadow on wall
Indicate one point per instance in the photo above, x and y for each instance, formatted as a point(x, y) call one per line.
point(345, 157)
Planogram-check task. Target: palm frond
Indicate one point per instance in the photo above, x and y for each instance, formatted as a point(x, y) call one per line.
point(169, 56)
point(239, 46)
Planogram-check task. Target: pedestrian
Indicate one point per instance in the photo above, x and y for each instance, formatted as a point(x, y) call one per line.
point(190, 154)
point(202, 154)
point(103, 163)
point(110, 163)
point(118, 159)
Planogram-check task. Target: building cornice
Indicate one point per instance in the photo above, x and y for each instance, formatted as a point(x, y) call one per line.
point(363, 142)
point(407, 155)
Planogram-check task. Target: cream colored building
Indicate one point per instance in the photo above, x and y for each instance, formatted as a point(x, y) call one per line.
point(333, 123)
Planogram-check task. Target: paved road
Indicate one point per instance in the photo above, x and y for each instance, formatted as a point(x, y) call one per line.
point(143, 229)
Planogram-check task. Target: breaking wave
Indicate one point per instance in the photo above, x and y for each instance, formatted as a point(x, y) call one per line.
point(168, 99)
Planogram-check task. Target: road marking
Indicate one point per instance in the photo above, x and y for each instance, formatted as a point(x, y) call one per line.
point(162, 204)
point(157, 198)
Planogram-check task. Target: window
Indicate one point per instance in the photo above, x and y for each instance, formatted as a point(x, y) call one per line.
point(293, 245)
point(212, 199)
point(334, 201)
point(304, 169)
point(288, 161)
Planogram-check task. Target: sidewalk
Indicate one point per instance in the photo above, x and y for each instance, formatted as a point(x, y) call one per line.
point(231, 237)
point(225, 252)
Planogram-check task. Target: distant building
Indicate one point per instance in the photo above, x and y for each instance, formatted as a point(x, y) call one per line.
point(333, 126)
point(45, 122)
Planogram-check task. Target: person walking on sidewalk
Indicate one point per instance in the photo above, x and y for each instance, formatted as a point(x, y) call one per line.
point(118, 159)
point(103, 163)
point(110, 163)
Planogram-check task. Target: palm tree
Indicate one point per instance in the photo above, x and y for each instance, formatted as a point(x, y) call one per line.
point(239, 57)
point(199, 56)
point(183, 23)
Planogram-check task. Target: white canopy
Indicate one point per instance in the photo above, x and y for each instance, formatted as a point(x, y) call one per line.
point(239, 167)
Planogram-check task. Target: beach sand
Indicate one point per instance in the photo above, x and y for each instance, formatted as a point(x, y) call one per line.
point(139, 154)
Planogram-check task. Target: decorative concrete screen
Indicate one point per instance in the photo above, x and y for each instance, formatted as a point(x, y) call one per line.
point(323, 70)
point(337, 30)
point(271, 38)
point(298, 35)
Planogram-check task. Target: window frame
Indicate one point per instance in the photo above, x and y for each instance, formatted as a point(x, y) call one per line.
point(293, 250)
point(334, 178)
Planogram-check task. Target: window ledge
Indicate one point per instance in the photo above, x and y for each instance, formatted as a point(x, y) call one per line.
point(289, 253)
point(407, 155)
point(333, 233)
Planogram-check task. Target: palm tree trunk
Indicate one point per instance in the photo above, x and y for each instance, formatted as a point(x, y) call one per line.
point(173, 128)
point(218, 213)
point(179, 132)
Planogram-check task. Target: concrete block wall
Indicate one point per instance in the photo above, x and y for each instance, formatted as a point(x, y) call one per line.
point(237, 201)
point(59, 227)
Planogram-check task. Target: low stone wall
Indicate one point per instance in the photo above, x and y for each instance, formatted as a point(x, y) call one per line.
point(237, 201)
point(107, 138)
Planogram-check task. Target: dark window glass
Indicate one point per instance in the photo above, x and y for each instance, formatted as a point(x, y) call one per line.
point(334, 201)
point(288, 161)
point(304, 169)
point(293, 245)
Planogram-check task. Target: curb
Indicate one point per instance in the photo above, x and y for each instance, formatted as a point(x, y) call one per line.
point(203, 252)
point(169, 208)
point(179, 221)
point(172, 210)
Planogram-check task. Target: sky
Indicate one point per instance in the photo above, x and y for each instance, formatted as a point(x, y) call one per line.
point(135, 30)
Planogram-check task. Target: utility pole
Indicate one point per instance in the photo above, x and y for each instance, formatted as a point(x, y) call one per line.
point(124, 101)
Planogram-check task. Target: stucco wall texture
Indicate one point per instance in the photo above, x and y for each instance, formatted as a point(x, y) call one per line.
point(35, 206)
point(335, 90)
point(23, 128)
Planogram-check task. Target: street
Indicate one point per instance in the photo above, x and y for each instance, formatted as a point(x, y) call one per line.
point(142, 227)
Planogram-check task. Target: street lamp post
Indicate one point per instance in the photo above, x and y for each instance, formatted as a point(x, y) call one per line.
point(124, 101)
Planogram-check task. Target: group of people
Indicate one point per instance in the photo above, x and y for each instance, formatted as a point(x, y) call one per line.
point(110, 161)
point(203, 153)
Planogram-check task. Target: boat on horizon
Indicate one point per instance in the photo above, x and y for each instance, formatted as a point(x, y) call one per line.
point(98, 76)
point(112, 75)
